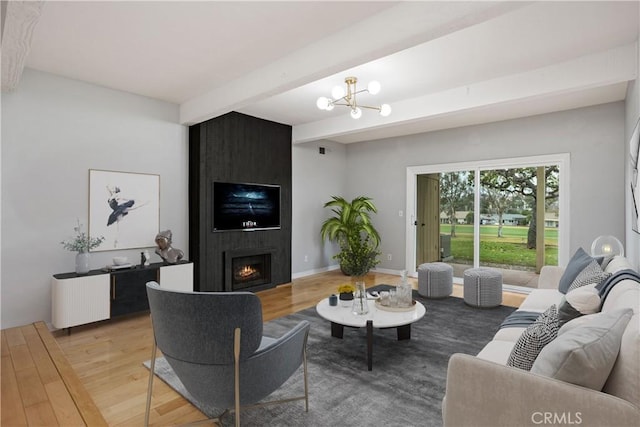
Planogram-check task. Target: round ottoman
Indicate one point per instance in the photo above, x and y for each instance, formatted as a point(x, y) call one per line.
point(483, 287)
point(435, 280)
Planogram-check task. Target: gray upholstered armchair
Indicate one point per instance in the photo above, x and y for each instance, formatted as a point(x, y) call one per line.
point(214, 343)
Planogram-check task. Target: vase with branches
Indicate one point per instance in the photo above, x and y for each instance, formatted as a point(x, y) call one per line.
point(82, 243)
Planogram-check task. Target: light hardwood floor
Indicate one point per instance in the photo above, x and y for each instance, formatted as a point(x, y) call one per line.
point(108, 356)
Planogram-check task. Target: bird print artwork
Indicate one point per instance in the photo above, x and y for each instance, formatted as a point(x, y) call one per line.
point(120, 208)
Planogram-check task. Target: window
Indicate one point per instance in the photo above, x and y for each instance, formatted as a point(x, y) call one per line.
point(490, 213)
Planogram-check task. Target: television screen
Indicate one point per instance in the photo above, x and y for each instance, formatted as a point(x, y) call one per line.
point(245, 206)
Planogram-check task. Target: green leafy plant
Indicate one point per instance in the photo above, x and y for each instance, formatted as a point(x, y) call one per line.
point(352, 229)
point(82, 242)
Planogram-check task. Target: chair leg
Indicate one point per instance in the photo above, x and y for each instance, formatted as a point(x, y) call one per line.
point(306, 382)
point(152, 368)
point(236, 355)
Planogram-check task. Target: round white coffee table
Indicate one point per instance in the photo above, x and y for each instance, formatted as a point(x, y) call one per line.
point(340, 317)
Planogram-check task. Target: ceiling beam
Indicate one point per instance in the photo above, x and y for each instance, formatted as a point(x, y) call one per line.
point(399, 27)
point(19, 21)
point(587, 72)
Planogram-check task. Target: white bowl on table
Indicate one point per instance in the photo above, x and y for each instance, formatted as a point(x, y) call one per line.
point(119, 260)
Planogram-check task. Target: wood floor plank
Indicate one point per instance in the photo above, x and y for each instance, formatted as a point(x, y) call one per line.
point(31, 388)
point(40, 356)
point(11, 404)
point(41, 414)
point(63, 406)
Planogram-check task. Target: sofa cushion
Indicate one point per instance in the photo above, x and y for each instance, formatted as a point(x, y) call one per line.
point(497, 351)
point(534, 339)
point(618, 263)
point(577, 263)
point(579, 321)
point(509, 334)
point(616, 283)
point(578, 302)
point(624, 380)
point(592, 274)
point(585, 355)
point(541, 299)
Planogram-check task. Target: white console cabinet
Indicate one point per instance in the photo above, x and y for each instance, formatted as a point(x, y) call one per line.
point(99, 295)
point(80, 300)
point(177, 277)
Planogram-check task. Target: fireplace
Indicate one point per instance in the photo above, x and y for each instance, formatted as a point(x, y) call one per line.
point(247, 269)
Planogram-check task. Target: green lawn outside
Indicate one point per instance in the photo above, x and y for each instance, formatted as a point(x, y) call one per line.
point(510, 249)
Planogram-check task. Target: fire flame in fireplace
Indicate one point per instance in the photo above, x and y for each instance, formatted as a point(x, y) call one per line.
point(246, 273)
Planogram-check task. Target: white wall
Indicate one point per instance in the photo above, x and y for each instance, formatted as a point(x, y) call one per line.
point(632, 110)
point(316, 177)
point(593, 136)
point(53, 131)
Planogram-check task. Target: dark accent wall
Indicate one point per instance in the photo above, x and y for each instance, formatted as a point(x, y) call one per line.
point(237, 148)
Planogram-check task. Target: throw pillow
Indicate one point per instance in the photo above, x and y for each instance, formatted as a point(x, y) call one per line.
point(579, 321)
point(591, 274)
point(585, 355)
point(578, 262)
point(533, 339)
point(578, 302)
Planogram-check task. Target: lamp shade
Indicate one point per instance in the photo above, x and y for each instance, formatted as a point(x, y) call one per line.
point(322, 103)
point(606, 246)
point(337, 92)
point(373, 87)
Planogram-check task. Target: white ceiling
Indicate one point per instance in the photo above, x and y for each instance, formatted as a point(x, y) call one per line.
point(441, 64)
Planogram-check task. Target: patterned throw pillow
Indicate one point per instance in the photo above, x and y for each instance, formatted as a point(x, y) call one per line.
point(533, 339)
point(592, 274)
point(578, 262)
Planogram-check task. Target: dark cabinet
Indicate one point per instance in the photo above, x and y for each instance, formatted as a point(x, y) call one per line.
point(129, 292)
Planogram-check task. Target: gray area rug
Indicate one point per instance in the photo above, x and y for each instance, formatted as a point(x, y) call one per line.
point(405, 387)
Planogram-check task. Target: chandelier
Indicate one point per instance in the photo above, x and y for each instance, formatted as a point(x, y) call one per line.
point(347, 98)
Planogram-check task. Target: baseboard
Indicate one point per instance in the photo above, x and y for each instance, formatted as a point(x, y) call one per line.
point(337, 267)
point(314, 271)
point(387, 271)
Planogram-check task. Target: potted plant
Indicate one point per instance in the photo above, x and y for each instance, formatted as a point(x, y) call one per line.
point(352, 229)
point(82, 244)
point(345, 293)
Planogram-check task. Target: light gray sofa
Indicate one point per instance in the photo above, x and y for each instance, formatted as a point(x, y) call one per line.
point(482, 391)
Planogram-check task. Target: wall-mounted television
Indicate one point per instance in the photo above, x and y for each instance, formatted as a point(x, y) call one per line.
point(246, 207)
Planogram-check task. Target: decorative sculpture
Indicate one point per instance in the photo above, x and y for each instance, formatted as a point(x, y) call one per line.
point(168, 253)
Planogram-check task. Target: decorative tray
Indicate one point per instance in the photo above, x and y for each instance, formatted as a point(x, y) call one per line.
point(379, 306)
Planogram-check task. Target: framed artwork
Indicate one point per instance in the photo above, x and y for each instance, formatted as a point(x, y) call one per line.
point(124, 208)
point(634, 185)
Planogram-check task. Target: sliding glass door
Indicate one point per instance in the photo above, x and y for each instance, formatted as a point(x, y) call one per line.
point(506, 217)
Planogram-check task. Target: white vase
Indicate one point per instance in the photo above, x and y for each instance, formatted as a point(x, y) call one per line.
point(82, 262)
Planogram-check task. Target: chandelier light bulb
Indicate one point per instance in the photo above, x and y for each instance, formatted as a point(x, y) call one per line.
point(337, 92)
point(356, 113)
point(330, 106)
point(373, 87)
point(385, 110)
point(322, 103)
